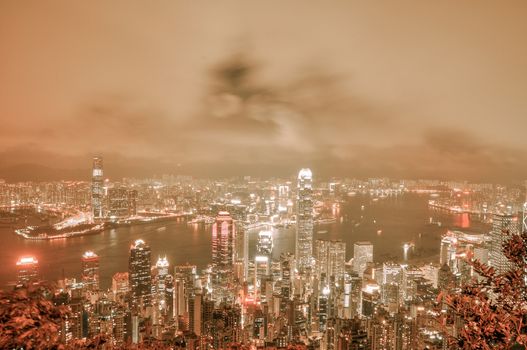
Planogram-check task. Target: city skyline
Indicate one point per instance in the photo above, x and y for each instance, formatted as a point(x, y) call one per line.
point(263, 175)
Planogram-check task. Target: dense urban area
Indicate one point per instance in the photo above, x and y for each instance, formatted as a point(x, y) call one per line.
point(323, 295)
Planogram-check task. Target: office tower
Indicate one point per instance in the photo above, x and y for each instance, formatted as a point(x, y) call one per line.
point(264, 246)
point(503, 225)
point(90, 271)
point(362, 255)
point(97, 191)
point(139, 274)
point(286, 281)
point(162, 273)
point(262, 269)
point(27, 270)
point(118, 203)
point(194, 311)
point(223, 233)
point(120, 286)
point(132, 202)
point(170, 292)
point(370, 298)
point(304, 220)
point(330, 257)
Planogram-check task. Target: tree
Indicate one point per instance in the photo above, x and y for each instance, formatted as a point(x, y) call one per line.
point(491, 310)
point(30, 320)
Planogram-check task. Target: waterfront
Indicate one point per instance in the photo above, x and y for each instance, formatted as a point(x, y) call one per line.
point(387, 223)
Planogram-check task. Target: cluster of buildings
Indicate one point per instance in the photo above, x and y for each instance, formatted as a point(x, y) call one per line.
point(315, 298)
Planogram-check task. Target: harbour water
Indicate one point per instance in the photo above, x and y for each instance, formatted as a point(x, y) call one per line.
point(387, 222)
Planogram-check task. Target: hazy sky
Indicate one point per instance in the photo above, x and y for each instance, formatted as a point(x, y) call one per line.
point(372, 88)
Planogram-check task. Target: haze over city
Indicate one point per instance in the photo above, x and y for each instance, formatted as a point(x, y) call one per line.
point(354, 89)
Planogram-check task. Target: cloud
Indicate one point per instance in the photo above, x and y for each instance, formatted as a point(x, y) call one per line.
point(248, 124)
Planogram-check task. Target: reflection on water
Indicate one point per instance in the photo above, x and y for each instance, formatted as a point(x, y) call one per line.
point(388, 223)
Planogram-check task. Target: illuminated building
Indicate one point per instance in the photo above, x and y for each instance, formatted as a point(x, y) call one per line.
point(97, 190)
point(370, 298)
point(90, 271)
point(27, 270)
point(262, 266)
point(120, 286)
point(118, 202)
point(264, 246)
point(162, 273)
point(223, 236)
point(362, 255)
point(286, 268)
point(304, 220)
point(503, 225)
point(139, 274)
point(330, 256)
point(132, 202)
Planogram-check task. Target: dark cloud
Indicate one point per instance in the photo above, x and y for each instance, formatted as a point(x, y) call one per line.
point(248, 125)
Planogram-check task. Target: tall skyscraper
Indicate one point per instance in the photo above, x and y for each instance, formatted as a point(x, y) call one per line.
point(304, 220)
point(97, 191)
point(362, 255)
point(503, 225)
point(223, 235)
point(27, 269)
point(162, 273)
point(139, 273)
point(330, 256)
point(90, 271)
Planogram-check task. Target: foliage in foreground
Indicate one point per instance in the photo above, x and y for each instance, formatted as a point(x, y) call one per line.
point(30, 320)
point(493, 309)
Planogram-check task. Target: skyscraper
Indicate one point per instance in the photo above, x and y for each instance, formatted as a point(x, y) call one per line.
point(27, 268)
point(162, 273)
point(118, 202)
point(97, 191)
point(503, 225)
point(330, 256)
point(362, 255)
point(223, 233)
point(139, 273)
point(90, 271)
point(264, 245)
point(304, 220)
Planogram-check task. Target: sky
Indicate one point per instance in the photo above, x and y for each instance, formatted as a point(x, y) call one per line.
point(406, 89)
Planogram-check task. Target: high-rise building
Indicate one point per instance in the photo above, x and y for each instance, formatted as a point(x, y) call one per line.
point(27, 268)
point(304, 220)
point(132, 202)
point(90, 271)
point(286, 281)
point(120, 286)
point(362, 255)
point(118, 202)
point(223, 236)
point(264, 246)
point(139, 273)
point(97, 190)
point(330, 256)
point(162, 273)
point(503, 226)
